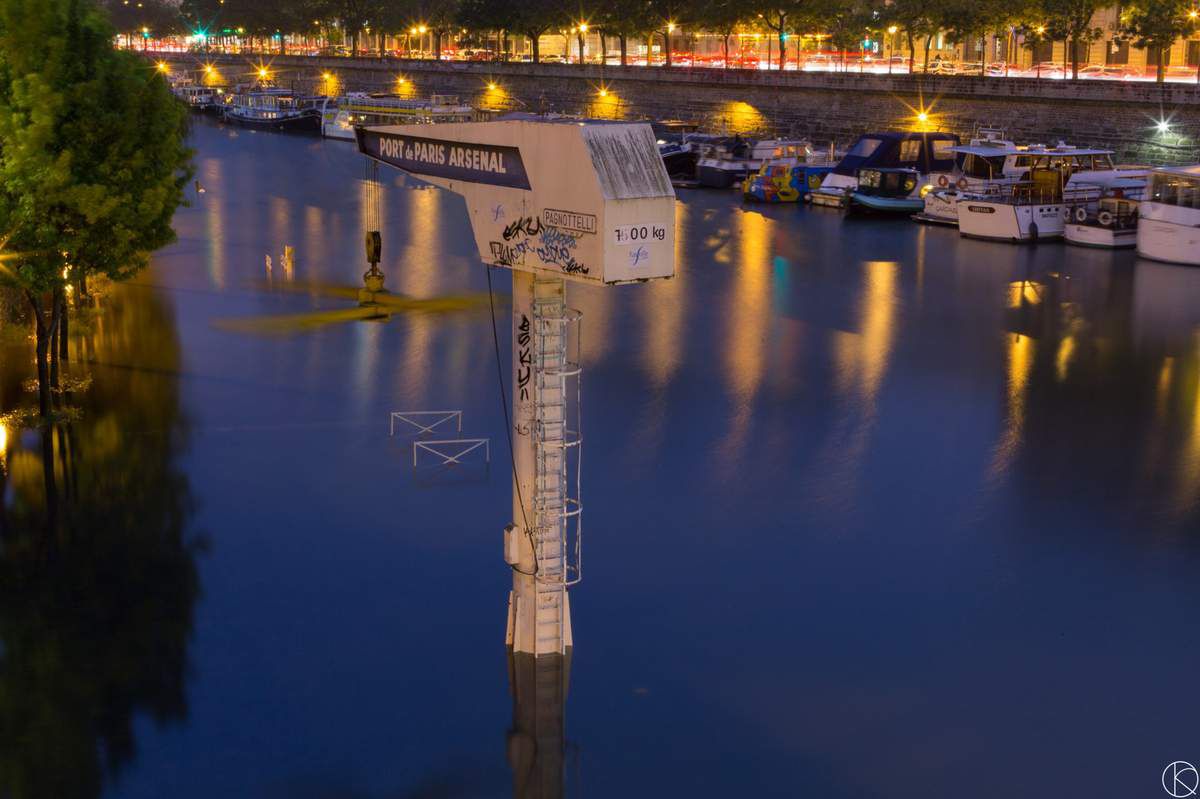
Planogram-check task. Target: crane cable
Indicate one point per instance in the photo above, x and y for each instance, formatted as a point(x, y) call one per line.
point(508, 427)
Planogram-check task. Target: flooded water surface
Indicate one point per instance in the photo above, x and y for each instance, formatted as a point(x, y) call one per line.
point(871, 510)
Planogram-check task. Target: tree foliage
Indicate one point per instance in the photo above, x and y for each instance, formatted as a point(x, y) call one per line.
point(92, 155)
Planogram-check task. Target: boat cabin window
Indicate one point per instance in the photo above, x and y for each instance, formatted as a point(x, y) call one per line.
point(982, 167)
point(941, 149)
point(864, 148)
point(1177, 190)
point(910, 151)
point(1023, 161)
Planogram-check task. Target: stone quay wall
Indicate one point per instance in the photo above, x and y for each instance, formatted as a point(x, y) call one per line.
point(824, 107)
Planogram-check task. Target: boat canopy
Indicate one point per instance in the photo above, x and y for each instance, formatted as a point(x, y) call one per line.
point(990, 150)
point(925, 152)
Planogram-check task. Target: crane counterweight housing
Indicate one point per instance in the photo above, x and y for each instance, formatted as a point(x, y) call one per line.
point(589, 201)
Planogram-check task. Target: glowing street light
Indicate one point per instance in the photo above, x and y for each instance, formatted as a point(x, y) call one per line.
point(892, 29)
point(583, 27)
point(922, 117)
point(1163, 125)
point(422, 29)
point(262, 72)
point(162, 67)
point(670, 27)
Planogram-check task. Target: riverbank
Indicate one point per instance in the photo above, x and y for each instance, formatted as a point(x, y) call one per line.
point(1121, 115)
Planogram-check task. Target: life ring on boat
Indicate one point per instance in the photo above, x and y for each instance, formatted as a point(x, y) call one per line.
point(1081, 214)
point(814, 181)
point(1105, 218)
point(1066, 214)
point(943, 181)
point(962, 184)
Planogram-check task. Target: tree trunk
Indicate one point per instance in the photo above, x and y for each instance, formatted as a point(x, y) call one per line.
point(623, 42)
point(45, 331)
point(603, 49)
point(667, 47)
point(912, 51)
point(437, 46)
point(782, 48)
point(1162, 69)
point(580, 38)
point(928, 43)
point(63, 344)
point(533, 42)
point(1074, 45)
point(725, 48)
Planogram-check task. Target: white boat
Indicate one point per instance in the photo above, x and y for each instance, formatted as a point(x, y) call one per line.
point(1059, 178)
point(980, 169)
point(1169, 228)
point(195, 97)
point(928, 154)
point(721, 167)
point(341, 117)
point(1113, 226)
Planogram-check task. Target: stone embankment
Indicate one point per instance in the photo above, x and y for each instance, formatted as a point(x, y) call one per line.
point(1120, 115)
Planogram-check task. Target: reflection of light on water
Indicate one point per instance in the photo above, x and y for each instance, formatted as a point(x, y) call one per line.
point(663, 308)
point(863, 359)
point(1062, 360)
point(1188, 486)
point(747, 320)
point(3, 446)
point(214, 203)
point(1021, 350)
point(417, 277)
point(861, 364)
point(366, 362)
point(1022, 292)
point(1163, 393)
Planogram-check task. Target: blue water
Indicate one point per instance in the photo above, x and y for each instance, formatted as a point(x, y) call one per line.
point(871, 511)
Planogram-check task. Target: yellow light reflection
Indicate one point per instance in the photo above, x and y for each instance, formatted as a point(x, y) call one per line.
point(749, 315)
point(3, 447)
point(1062, 360)
point(1021, 351)
point(663, 308)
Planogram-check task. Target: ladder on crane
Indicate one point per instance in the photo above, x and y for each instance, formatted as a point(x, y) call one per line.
point(556, 506)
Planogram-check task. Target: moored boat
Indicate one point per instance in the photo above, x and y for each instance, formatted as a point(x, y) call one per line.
point(891, 191)
point(340, 117)
point(1169, 225)
point(1113, 225)
point(274, 109)
point(725, 166)
point(980, 168)
point(1032, 209)
point(927, 154)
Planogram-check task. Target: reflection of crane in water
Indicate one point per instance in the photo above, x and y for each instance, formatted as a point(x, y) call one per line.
point(371, 301)
point(552, 201)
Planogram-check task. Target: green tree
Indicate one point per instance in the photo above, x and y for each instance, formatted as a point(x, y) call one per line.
point(920, 20)
point(92, 159)
point(1071, 21)
point(624, 19)
point(723, 17)
point(1156, 24)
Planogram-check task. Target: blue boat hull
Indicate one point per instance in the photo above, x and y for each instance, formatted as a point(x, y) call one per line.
point(887, 205)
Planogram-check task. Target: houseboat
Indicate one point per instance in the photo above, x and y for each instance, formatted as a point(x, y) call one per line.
point(1169, 225)
point(926, 154)
point(274, 109)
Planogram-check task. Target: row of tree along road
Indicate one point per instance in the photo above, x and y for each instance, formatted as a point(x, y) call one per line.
point(837, 25)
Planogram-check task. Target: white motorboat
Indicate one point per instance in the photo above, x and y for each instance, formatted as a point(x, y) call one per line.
point(1169, 227)
point(1113, 226)
point(340, 118)
point(1059, 178)
point(980, 169)
point(925, 154)
point(728, 165)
